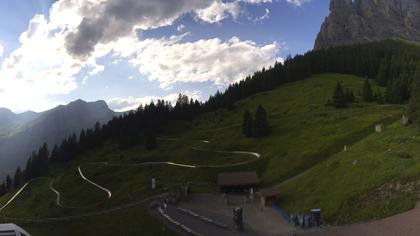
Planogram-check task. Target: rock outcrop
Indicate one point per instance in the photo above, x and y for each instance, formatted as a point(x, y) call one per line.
point(359, 21)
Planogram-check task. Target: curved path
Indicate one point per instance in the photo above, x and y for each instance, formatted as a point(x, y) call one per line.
point(94, 184)
point(109, 193)
point(13, 197)
point(57, 201)
point(60, 204)
point(170, 163)
point(18, 192)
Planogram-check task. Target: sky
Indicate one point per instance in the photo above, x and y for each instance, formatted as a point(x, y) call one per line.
point(129, 52)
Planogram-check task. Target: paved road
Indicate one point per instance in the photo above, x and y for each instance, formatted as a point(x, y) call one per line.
point(260, 221)
point(203, 228)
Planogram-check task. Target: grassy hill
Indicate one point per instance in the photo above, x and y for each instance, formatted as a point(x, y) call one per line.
point(376, 177)
point(307, 137)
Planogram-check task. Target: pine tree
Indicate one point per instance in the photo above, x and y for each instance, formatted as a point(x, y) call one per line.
point(382, 76)
point(151, 142)
point(415, 97)
point(54, 157)
point(367, 92)
point(9, 183)
point(28, 168)
point(397, 90)
point(18, 180)
point(2, 189)
point(339, 98)
point(247, 124)
point(350, 98)
point(42, 161)
point(379, 98)
point(82, 141)
point(261, 125)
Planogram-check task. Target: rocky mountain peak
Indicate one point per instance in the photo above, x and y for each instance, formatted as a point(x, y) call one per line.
point(360, 21)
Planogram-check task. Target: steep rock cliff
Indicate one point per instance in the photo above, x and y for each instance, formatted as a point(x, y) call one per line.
point(358, 21)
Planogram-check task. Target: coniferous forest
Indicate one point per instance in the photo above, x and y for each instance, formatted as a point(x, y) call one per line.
point(394, 65)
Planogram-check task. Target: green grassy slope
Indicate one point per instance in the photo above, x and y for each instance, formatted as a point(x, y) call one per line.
point(376, 177)
point(304, 132)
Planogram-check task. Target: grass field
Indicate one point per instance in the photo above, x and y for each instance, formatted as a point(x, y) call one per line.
point(304, 133)
point(376, 177)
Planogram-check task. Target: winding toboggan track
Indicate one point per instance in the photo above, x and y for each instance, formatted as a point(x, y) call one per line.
point(58, 202)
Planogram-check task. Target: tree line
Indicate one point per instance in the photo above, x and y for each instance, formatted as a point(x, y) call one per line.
point(257, 126)
point(138, 127)
point(390, 63)
point(342, 97)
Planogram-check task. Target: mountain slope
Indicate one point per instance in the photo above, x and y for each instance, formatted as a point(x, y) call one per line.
point(375, 177)
point(11, 122)
point(51, 127)
point(304, 133)
point(360, 21)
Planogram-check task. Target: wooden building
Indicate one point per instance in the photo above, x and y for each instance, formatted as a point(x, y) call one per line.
point(237, 182)
point(268, 196)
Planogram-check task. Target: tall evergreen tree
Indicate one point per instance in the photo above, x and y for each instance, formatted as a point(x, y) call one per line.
point(9, 183)
point(151, 142)
point(379, 98)
point(28, 168)
point(247, 124)
point(339, 98)
point(82, 141)
point(18, 180)
point(350, 98)
point(42, 161)
point(261, 125)
point(3, 189)
point(367, 93)
point(382, 75)
point(54, 154)
point(415, 97)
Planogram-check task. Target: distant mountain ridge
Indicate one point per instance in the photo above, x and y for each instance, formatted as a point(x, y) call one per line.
point(20, 134)
point(361, 21)
point(10, 121)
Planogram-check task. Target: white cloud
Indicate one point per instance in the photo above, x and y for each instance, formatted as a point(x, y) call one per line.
point(1, 50)
point(130, 77)
point(169, 61)
point(54, 51)
point(180, 27)
point(263, 17)
point(105, 21)
point(257, 1)
point(131, 103)
point(298, 2)
point(218, 11)
point(39, 67)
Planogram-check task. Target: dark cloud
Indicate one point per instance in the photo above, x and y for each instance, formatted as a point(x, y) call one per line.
point(110, 20)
